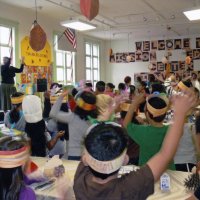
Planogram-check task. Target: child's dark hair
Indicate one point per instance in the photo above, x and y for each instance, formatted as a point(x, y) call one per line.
point(63, 126)
point(89, 98)
point(157, 87)
point(11, 178)
point(74, 92)
point(121, 86)
point(14, 113)
point(110, 85)
point(100, 86)
point(157, 103)
point(132, 89)
point(36, 132)
point(187, 83)
point(88, 84)
point(127, 79)
point(105, 142)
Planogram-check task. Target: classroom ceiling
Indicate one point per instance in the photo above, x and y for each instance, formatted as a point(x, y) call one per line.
point(122, 19)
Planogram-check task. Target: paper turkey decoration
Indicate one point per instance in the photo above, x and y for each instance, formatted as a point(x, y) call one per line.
point(89, 8)
point(37, 37)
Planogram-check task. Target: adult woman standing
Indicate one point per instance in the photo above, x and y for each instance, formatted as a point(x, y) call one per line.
point(7, 81)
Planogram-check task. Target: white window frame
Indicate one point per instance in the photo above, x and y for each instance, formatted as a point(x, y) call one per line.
point(65, 65)
point(92, 57)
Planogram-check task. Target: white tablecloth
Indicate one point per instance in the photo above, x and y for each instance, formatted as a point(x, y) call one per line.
point(177, 191)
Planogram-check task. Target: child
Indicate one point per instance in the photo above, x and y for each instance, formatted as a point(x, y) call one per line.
point(148, 136)
point(109, 89)
point(14, 119)
point(36, 128)
point(77, 121)
point(14, 153)
point(105, 152)
point(100, 87)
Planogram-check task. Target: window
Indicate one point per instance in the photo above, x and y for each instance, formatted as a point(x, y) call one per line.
point(6, 42)
point(65, 65)
point(92, 62)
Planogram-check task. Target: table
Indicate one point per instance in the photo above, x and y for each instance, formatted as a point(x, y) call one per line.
point(177, 192)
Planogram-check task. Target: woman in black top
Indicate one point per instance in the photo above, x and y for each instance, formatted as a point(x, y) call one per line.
point(7, 82)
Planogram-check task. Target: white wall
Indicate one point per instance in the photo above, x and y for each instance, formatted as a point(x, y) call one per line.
point(115, 72)
point(25, 18)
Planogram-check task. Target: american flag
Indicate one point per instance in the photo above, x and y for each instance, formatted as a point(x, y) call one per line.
point(70, 34)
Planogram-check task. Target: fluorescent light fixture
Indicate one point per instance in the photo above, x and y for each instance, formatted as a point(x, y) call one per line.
point(192, 14)
point(78, 25)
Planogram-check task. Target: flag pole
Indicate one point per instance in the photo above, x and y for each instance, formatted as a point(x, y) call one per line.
point(58, 39)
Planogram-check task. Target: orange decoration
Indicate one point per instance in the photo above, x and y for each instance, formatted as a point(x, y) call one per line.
point(110, 52)
point(188, 60)
point(89, 8)
point(37, 38)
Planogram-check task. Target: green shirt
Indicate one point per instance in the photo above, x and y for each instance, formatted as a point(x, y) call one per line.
point(149, 138)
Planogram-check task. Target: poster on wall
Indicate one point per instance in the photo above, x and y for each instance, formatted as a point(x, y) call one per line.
point(197, 43)
point(154, 45)
point(146, 45)
point(112, 58)
point(132, 55)
point(174, 66)
point(169, 44)
point(177, 44)
point(138, 46)
point(119, 57)
point(196, 54)
point(138, 56)
point(153, 57)
point(186, 43)
point(181, 66)
point(160, 67)
point(145, 56)
point(161, 44)
point(189, 53)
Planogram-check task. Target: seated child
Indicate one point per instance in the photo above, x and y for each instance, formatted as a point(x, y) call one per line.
point(149, 137)
point(14, 153)
point(105, 152)
point(15, 118)
point(36, 128)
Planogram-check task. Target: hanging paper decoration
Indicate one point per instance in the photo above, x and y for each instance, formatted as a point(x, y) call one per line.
point(110, 52)
point(164, 60)
point(128, 58)
point(89, 8)
point(188, 60)
point(38, 37)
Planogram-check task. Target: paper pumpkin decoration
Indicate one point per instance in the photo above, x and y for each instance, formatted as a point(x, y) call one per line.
point(89, 8)
point(188, 60)
point(37, 38)
point(128, 58)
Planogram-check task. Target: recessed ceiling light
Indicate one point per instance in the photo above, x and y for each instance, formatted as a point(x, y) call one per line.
point(78, 25)
point(192, 14)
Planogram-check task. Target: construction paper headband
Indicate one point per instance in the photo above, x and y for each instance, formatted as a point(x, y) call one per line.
point(15, 158)
point(125, 106)
point(85, 106)
point(157, 112)
point(17, 100)
point(105, 167)
point(53, 99)
point(182, 86)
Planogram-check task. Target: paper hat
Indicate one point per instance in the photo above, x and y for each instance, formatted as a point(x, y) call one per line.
point(182, 86)
point(53, 99)
point(154, 111)
point(85, 106)
point(14, 158)
point(17, 100)
point(32, 108)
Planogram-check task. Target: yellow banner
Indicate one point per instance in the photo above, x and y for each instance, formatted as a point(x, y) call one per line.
point(33, 58)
